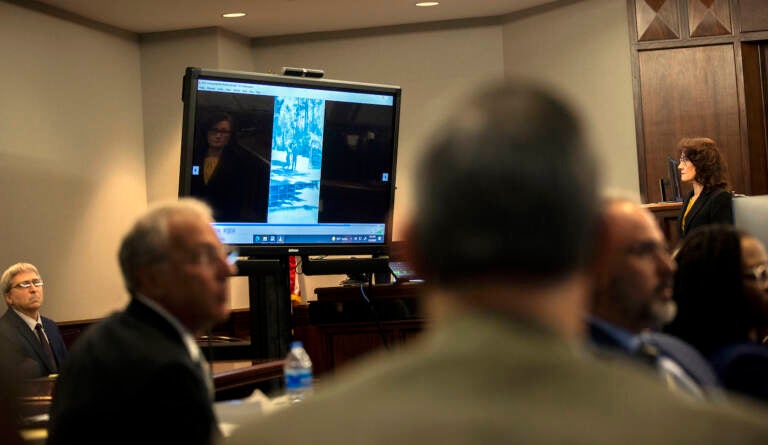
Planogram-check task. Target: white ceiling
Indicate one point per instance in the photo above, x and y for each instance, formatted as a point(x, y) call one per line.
point(279, 17)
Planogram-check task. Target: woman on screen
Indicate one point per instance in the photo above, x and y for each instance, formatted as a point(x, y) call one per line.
point(227, 176)
point(710, 202)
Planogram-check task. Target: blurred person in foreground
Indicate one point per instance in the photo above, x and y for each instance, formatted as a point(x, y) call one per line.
point(721, 289)
point(10, 415)
point(632, 299)
point(503, 233)
point(138, 377)
point(35, 344)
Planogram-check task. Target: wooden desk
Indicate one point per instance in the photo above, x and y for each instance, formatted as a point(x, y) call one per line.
point(340, 327)
point(667, 215)
point(35, 399)
point(243, 377)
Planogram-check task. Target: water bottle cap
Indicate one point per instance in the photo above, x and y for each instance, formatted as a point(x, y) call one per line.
point(297, 344)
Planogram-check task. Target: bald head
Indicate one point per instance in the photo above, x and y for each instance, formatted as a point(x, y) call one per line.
point(634, 281)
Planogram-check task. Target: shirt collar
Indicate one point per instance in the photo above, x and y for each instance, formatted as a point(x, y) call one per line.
point(625, 339)
point(31, 322)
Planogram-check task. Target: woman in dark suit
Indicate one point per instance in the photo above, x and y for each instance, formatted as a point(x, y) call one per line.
point(721, 291)
point(710, 201)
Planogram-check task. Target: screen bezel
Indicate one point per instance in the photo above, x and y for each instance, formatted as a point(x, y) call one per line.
point(189, 99)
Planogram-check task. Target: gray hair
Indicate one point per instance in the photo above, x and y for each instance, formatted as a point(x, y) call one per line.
point(7, 277)
point(611, 195)
point(147, 242)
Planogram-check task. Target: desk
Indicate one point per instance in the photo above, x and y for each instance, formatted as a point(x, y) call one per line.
point(667, 214)
point(340, 326)
point(236, 380)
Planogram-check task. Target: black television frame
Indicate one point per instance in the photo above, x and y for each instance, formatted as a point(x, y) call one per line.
point(254, 250)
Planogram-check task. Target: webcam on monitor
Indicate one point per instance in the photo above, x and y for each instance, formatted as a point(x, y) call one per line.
point(302, 72)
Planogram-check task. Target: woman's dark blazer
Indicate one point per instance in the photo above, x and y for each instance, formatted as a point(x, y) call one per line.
point(714, 206)
point(239, 187)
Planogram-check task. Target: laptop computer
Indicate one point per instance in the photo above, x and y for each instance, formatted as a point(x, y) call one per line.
point(403, 272)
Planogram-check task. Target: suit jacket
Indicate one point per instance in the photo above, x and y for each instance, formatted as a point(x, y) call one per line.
point(743, 367)
point(238, 190)
point(130, 380)
point(484, 379)
point(713, 206)
point(613, 339)
point(31, 359)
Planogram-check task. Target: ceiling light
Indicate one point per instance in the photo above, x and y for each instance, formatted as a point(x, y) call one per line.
point(231, 15)
point(427, 3)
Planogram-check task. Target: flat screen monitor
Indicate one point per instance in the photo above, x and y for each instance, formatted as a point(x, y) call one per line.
point(291, 165)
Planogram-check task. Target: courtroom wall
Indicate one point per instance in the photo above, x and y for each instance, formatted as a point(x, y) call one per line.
point(583, 50)
point(71, 156)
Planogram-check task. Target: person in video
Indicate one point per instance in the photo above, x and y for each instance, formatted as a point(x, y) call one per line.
point(710, 202)
point(230, 178)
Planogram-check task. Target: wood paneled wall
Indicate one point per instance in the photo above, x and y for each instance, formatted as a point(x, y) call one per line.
point(699, 70)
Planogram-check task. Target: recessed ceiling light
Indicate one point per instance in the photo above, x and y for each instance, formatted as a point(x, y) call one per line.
point(427, 3)
point(231, 15)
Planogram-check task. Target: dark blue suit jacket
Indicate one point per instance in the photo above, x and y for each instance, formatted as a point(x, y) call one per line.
point(130, 380)
point(611, 338)
point(713, 206)
point(743, 368)
point(31, 360)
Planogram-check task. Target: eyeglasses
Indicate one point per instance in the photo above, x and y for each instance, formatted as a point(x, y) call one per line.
point(647, 249)
point(758, 273)
point(208, 255)
point(27, 284)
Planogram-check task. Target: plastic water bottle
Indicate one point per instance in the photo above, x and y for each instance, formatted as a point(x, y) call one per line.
point(298, 373)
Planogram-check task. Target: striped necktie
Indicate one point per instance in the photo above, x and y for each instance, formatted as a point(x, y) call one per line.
point(46, 347)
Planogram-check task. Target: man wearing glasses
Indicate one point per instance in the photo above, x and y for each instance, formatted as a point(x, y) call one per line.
point(138, 376)
point(36, 341)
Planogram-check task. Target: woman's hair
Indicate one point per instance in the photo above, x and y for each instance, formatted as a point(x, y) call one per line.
point(712, 307)
point(703, 153)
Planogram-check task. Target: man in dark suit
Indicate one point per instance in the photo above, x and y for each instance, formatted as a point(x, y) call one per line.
point(503, 234)
point(34, 341)
point(633, 299)
point(138, 377)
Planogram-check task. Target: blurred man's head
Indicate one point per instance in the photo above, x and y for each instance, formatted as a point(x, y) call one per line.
point(505, 193)
point(173, 256)
point(634, 280)
point(506, 190)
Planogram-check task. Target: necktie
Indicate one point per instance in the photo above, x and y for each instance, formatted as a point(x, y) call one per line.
point(46, 346)
point(673, 375)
